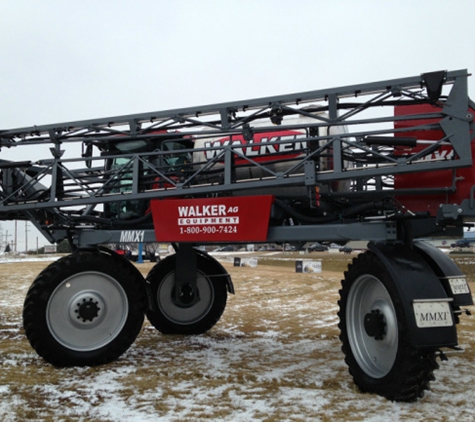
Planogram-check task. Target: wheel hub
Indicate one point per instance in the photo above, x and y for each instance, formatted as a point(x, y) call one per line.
point(86, 308)
point(187, 296)
point(375, 325)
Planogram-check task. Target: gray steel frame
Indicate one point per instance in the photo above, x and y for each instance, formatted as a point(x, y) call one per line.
point(67, 191)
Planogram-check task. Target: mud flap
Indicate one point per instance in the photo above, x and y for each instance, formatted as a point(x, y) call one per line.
point(187, 270)
point(219, 270)
point(430, 318)
point(452, 279)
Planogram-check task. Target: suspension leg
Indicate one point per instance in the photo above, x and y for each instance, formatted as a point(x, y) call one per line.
point(186, 293)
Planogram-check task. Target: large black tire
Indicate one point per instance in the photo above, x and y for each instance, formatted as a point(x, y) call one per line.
point(169, 317)
point(373, 332)
point(85, 309)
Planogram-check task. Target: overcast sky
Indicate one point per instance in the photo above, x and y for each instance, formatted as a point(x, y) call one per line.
point(70, 60)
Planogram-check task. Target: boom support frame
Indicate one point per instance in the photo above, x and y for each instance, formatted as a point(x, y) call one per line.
point(352, 140)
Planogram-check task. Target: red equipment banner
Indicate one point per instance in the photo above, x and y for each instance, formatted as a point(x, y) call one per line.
point(227, 219)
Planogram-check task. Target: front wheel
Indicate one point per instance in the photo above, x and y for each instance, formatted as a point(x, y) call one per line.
point(206, 304)
point(373, 331)
point(84, 309)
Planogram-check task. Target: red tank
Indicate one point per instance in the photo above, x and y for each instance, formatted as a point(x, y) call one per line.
point(464, 177)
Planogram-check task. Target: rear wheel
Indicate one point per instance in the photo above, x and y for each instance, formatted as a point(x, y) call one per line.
point(374, 335)
point(84, 309)
point(196, 311)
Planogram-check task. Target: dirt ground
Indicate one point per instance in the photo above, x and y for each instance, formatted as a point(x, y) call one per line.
point(274, 356)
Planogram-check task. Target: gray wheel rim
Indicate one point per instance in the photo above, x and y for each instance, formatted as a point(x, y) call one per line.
point(80, 333)
point(375, 357)
point(180, 315)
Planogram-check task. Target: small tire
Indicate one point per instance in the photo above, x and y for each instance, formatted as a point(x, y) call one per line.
point(85, 309)
point(168, 317)
point(373, 332)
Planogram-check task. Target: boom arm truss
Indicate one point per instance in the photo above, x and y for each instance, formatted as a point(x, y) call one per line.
point(69, 187)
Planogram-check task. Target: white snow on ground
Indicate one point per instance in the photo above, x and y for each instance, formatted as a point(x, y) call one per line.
point(266, 373)
point(104, 395)
point(5, 259)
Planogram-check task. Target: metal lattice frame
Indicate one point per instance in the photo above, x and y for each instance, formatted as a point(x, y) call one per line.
point(65, 189)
